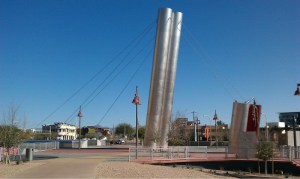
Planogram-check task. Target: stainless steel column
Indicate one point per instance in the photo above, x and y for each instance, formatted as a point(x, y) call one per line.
point(158, 76)
point(170, 78)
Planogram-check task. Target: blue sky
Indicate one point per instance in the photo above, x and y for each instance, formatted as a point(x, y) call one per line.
point(229, 50)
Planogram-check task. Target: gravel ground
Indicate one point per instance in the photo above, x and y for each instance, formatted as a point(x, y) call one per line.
point(136, 170)
point(120, 170)
point(12, 168)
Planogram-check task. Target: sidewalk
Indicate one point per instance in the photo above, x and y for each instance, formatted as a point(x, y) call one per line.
point(62, 168)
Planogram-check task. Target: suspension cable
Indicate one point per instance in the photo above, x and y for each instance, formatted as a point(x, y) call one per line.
point(142, 34)
point(127, 84)
point(207, 60)
point(106, 81)
point(86, 102)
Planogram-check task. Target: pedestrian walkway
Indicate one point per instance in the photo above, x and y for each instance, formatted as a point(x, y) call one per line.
point(62, 168)
point(71, 163)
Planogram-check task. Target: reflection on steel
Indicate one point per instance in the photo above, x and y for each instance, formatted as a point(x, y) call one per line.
point(170, 79)
point(163, 76)
point(243, 130)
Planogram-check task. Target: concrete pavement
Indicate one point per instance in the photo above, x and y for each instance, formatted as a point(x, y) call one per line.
point(62, 168)
point(70, 163)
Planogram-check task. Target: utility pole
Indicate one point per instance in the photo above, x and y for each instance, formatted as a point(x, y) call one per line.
point(79, 117)
point(50, 133)
point(124, 130)
point(136, 101)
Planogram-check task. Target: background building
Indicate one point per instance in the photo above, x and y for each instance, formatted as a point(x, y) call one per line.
point(288, 118)
point(95, 132)
point(61, 131)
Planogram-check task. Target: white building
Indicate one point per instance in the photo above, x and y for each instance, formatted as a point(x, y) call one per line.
point(62, 131)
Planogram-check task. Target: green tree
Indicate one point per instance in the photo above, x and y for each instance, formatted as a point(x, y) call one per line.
point(125, 129)
point(40, 136)
point(265, 152)
point(27, 135)
point(142, 130)
point(220, 123)
point(90, 135)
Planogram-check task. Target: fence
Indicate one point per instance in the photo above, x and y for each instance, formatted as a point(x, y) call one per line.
point(204, 152)
point(36, 146)
point(169, 153)
point(288, 152)
point(39, 146)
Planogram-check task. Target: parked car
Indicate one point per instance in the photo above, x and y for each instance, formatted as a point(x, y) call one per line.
point(120, 141)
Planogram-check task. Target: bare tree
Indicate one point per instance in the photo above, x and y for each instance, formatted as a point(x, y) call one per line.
point(156, 137)
point(179, 133)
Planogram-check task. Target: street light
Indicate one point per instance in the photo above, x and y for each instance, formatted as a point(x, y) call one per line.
point(198, 123)
point(267, 127)
point(209, 126)
point(195, 126)
point(297, 92)
point(294, 132)
point(215, 119)
point(136, 101)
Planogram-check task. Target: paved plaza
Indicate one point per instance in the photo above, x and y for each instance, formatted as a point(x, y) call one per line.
point(111, 162)
point(98, 163)
point(71, 163)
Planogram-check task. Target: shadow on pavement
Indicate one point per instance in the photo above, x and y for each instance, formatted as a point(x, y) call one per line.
point(44, 157)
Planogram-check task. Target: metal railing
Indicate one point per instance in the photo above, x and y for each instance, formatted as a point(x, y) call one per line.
point(170, 153)
point(39, 146)
point(20, 150)
point(288, 152)
point(204, 152)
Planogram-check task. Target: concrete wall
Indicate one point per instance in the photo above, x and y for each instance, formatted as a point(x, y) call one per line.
point(290, 138)
point(72, 144)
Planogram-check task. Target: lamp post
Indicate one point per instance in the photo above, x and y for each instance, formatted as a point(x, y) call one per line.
point(79, 118)
point(136, 101)
point(198, 123)
point(215, 119)
point(195, 126)
point(294, 132)
point(297, 92)
point(267, 127)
